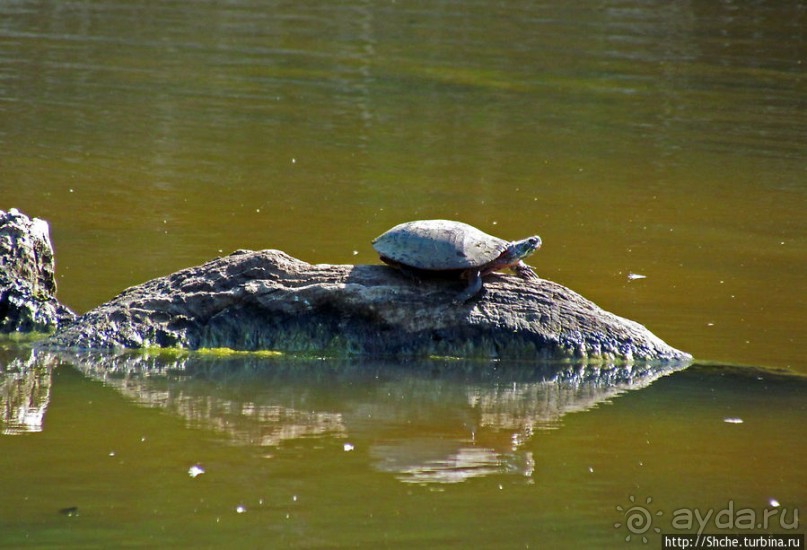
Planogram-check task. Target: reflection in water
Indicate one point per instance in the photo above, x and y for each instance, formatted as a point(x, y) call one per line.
point(25, 393)
point(424, 461)
point(431, 422)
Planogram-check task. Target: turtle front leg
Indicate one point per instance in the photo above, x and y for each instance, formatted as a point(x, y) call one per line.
point(525, 272)
point(474, 286)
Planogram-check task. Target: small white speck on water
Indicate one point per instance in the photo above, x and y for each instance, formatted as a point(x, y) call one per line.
point(195, 470)
point(294, 161)
point(774, 503)
point(634, 276)
point(240, 509)
point(111, 453)
point(733, 420)
point(294, 498)
point(347, 447)
point(355, 252)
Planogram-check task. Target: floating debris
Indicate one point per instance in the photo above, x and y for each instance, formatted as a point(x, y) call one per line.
point(774, 503)
point(733, 420)
point(70, 511)
point(633, 276)
point(195, 470)
point(240, 509)
point(347, 447)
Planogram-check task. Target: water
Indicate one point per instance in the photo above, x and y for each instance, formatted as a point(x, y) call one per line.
point(664, 139)
point(305, 453)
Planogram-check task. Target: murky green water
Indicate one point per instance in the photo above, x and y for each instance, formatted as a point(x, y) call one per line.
point(660, 138)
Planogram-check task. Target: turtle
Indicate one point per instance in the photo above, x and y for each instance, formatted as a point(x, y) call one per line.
point(453, 248)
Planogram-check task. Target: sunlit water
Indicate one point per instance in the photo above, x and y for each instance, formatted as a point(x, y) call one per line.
point(664, 139)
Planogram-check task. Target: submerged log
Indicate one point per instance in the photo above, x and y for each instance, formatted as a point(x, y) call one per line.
point(27, 283)
point(268, 300)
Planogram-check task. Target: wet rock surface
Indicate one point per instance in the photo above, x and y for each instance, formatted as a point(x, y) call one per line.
point(268, 300)
point(27, 282)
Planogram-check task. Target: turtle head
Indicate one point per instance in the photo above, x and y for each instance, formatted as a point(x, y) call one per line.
point(519, 250)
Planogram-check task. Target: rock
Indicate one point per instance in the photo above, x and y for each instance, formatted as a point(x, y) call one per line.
point(27, 283)
point(267, 300)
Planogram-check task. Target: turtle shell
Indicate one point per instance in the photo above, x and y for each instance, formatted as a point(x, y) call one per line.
point(439, 245)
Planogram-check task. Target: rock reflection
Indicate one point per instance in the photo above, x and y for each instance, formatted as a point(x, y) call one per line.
point(206, 393)
point(25, 383)
point(427, 422)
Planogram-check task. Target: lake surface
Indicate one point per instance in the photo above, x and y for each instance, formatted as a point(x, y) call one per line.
point(666, 139)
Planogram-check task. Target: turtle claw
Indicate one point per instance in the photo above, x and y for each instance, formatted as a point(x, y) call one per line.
point(525, 272)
